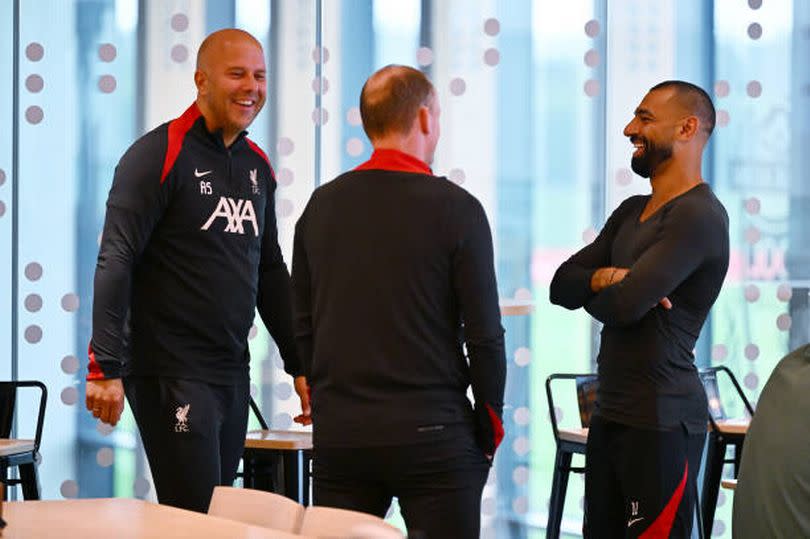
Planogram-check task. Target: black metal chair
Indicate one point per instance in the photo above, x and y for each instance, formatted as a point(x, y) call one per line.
point(568, 441)
point(24, 454)
point(285, 472)
point(720, 438)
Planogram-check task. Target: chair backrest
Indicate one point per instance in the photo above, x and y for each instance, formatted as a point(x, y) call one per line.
point(257, 507)
point(709, 378)
point(586, 387)
point(8, 399)
point(328, 522)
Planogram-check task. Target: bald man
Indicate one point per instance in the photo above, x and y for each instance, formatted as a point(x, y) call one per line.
point(392, 274)
point(189, 250)
point(651, 277)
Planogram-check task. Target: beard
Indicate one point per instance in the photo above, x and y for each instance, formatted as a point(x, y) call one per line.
point(650, 159)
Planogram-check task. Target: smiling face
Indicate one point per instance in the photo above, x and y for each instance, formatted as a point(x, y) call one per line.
point(652, 132)
point(231, 82)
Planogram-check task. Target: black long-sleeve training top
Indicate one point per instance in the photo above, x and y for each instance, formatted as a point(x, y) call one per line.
point(189, 248)
point(647, 376)
point(392, 273)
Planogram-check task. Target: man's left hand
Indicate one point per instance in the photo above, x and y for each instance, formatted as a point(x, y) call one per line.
point(302, 388)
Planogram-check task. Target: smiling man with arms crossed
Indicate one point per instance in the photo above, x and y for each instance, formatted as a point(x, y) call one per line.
point(651, 277)
point(189, 249)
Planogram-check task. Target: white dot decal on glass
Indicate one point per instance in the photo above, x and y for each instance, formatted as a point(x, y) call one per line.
point(179, 53)
point(723, 118)
point(320, 55)
point(751, 293)
point(520, 475)
point(34, 83)
point(282, 421)
point(70, 302)
point(107, 52)
point(591, 87)
point(721, 88)
point(521, 445)
point(754, 89)
point(284, 207)
point(354, 146)
point(523, 356)
point(70, 364)
point(488, 506)
point(523, 294)
point(141, 487)
point(624, 177)
point(719, 352)
point(2, 208)
point(589, 234)
point(104, 457)
point(755, 4)
point(320, 85)
point(592, 58)
point(104, 429)
point(751, 380)
point(522, 416)
point(353, 116)
point(33, 303)
point(179, 22)
point(752, 205)
point(520, 505)
point(752, 235)
point(457, 176)
point(285, 146)
point(107, 84)
point(558, 413)
point(592, 28)
point(69, 395)
point(424, 56)
point(34, 52)
point(283, 391)
point(492, 27)
point(754, 30)
point(253, 332)
point(492, 57)
point(69, 489)
point(285, 177)
point(33, 334)
point(458, 86)
point(784, 292)
point(783, 322)
point(33, 271)
point(320, 116)
point(751, 352)
point(2, 176)
point(34, 114)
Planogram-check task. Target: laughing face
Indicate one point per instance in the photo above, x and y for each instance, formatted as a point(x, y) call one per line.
point(232, 86)
point(651, 133)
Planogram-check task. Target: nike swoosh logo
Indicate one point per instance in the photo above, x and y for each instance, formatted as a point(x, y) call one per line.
point(199, 174)
point(633, 521)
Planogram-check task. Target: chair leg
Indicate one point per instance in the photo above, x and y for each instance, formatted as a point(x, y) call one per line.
point(712, 475)
point(559, 485)
point(30, 481)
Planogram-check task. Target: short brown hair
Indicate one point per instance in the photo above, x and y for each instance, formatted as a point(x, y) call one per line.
point(391, 98)
point(695, 100)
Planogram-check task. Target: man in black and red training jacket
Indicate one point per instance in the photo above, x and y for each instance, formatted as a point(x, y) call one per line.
point(189, 249)
point(392, 275)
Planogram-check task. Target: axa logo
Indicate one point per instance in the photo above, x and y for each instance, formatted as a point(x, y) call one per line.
point(235, 212)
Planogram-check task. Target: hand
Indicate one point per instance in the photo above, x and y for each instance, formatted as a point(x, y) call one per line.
point(105, 398)
point(604, 277)
point(665, 303)
point(303, 390)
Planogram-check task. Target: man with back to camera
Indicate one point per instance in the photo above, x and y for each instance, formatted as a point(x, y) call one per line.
point(189, 250)
point(651, 277)
point(392, 272)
